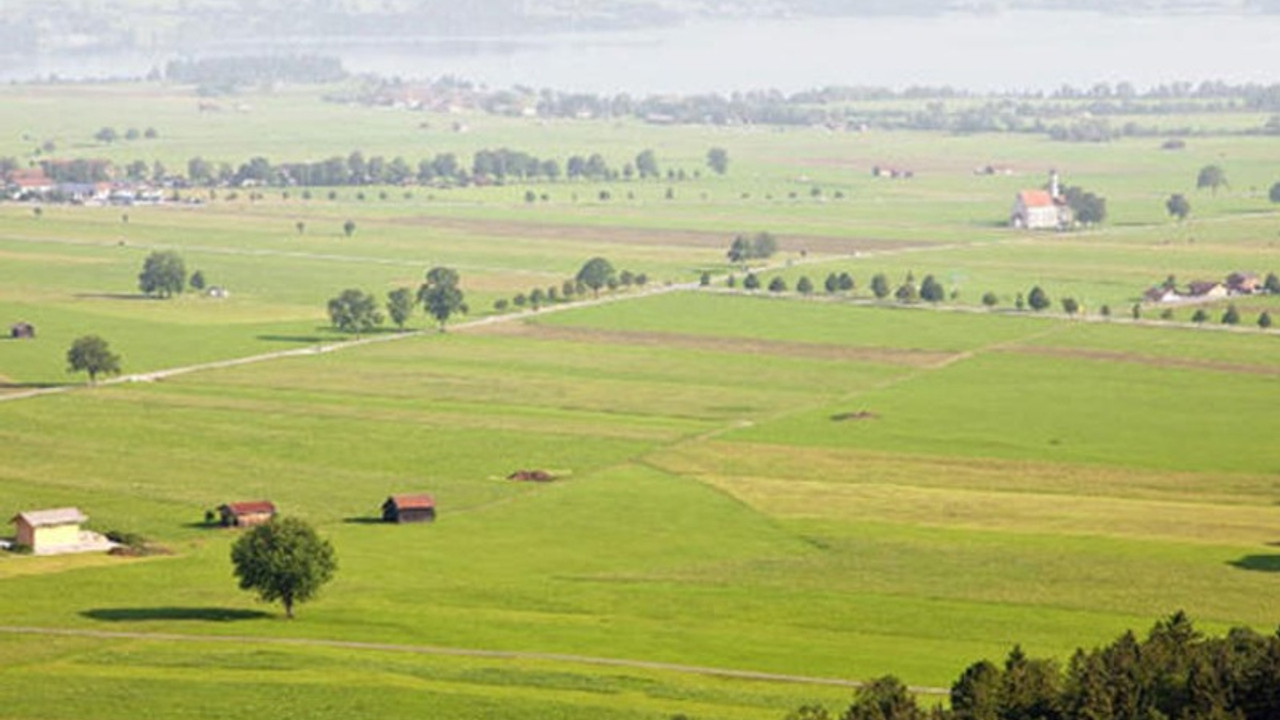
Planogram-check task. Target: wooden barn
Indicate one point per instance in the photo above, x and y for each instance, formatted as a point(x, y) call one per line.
point(49, 531)
point(246, 514)
point(409, 508)
point(22, 331)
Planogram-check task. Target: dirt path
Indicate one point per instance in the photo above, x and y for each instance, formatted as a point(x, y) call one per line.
point(454, 652)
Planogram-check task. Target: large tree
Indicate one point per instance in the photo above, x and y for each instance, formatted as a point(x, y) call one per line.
point(1212, 177)
point(93, 355)
point(440, 295)
point(354, 311)
point(647, 164)
point(1038, 299)
point(595, 274)
point(283, 560)
point(163, 273)
point(718, 160)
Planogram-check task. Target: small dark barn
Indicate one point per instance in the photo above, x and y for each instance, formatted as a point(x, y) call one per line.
point(22, 331)
point(245, 514)
point(409, 508)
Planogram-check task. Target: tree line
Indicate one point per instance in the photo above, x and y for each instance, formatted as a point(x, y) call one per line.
point(1174, 673)
point(486, 166)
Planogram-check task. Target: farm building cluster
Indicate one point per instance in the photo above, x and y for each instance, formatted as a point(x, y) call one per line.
point(77, 186)
point(1237, 283)
point(60, 530)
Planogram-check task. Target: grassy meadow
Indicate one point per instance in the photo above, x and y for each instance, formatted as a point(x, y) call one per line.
point(819, 487)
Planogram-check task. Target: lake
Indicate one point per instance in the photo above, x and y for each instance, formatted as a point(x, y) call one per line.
point(1007, 51)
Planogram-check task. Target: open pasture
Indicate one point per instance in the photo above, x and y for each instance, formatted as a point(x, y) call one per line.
point(764, 483)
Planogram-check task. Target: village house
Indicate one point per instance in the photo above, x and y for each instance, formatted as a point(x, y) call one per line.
point(409, 508)
point(1042, 209)
point(22, 331)
point(50, 532)
point(1207, 290)
point(1161, 295)
point(26, 183)
point(246, 514)
point(1243, 283)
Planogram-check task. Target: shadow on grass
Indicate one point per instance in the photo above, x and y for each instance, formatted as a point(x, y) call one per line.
point(1258, 563)
point(116, 296)
point(29, 385)
point(200, 614)
point(364, 520)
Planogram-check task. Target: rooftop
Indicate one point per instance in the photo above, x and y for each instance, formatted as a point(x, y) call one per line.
point(47, 518)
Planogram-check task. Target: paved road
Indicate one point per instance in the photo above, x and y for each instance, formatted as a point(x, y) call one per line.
point(452, 651)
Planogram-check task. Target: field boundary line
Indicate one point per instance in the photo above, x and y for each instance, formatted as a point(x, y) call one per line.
point(458, 652)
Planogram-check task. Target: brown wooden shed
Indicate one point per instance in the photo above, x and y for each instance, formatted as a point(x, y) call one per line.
point(22, 331)
point(409, 508)
point(246, 514)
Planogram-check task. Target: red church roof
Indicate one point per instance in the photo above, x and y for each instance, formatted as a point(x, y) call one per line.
point(1036, 198)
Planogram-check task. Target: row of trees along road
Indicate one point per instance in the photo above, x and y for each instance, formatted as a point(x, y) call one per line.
point(497, 165)
point(1175, 673)
point(356, 311)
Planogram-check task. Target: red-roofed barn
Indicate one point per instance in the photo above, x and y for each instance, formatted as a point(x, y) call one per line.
point(245, 514)
point(409, 508)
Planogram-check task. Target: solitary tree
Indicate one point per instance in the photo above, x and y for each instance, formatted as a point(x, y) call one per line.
point(1070, 306)
point(751, 282)
point(846, 282)
point(1200, 316)
point(106, 135)
point(283, 560)
point(595, 274)
point(705, 279)
point(880, 286)
point(349, 227)
point(832, 283)
point(300, 226)
point(91, 354)
point(1178, 206)
point(1264, 320)
point(440, 295)
point(400, 306)
point(1212, 177)
point(197, 280)
point(1274, 194)
point(1271, 284)
point(777, 285)
point(804, 285)
point(163, 273)
point(884, 698)
point(354, 311)
point(718, 160)
point(1037, 299)
point(1231, 316)
point(931, 290)
point(990, 299)
point(647, 164)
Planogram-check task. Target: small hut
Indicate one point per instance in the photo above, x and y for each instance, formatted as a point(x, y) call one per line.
point(48, 532)
point(409, 508)
point(246, 514)
point(22, 331)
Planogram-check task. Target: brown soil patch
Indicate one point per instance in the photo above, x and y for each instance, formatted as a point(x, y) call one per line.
point(1150, 360)
point(741, 346)
point(661, 237)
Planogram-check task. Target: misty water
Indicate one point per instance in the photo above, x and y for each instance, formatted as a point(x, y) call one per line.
point(1010, 51)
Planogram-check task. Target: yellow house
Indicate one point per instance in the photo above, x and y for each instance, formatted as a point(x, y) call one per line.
point(46, 531)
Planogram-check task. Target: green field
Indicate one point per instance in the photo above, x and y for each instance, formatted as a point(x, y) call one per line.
point(816, 487)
